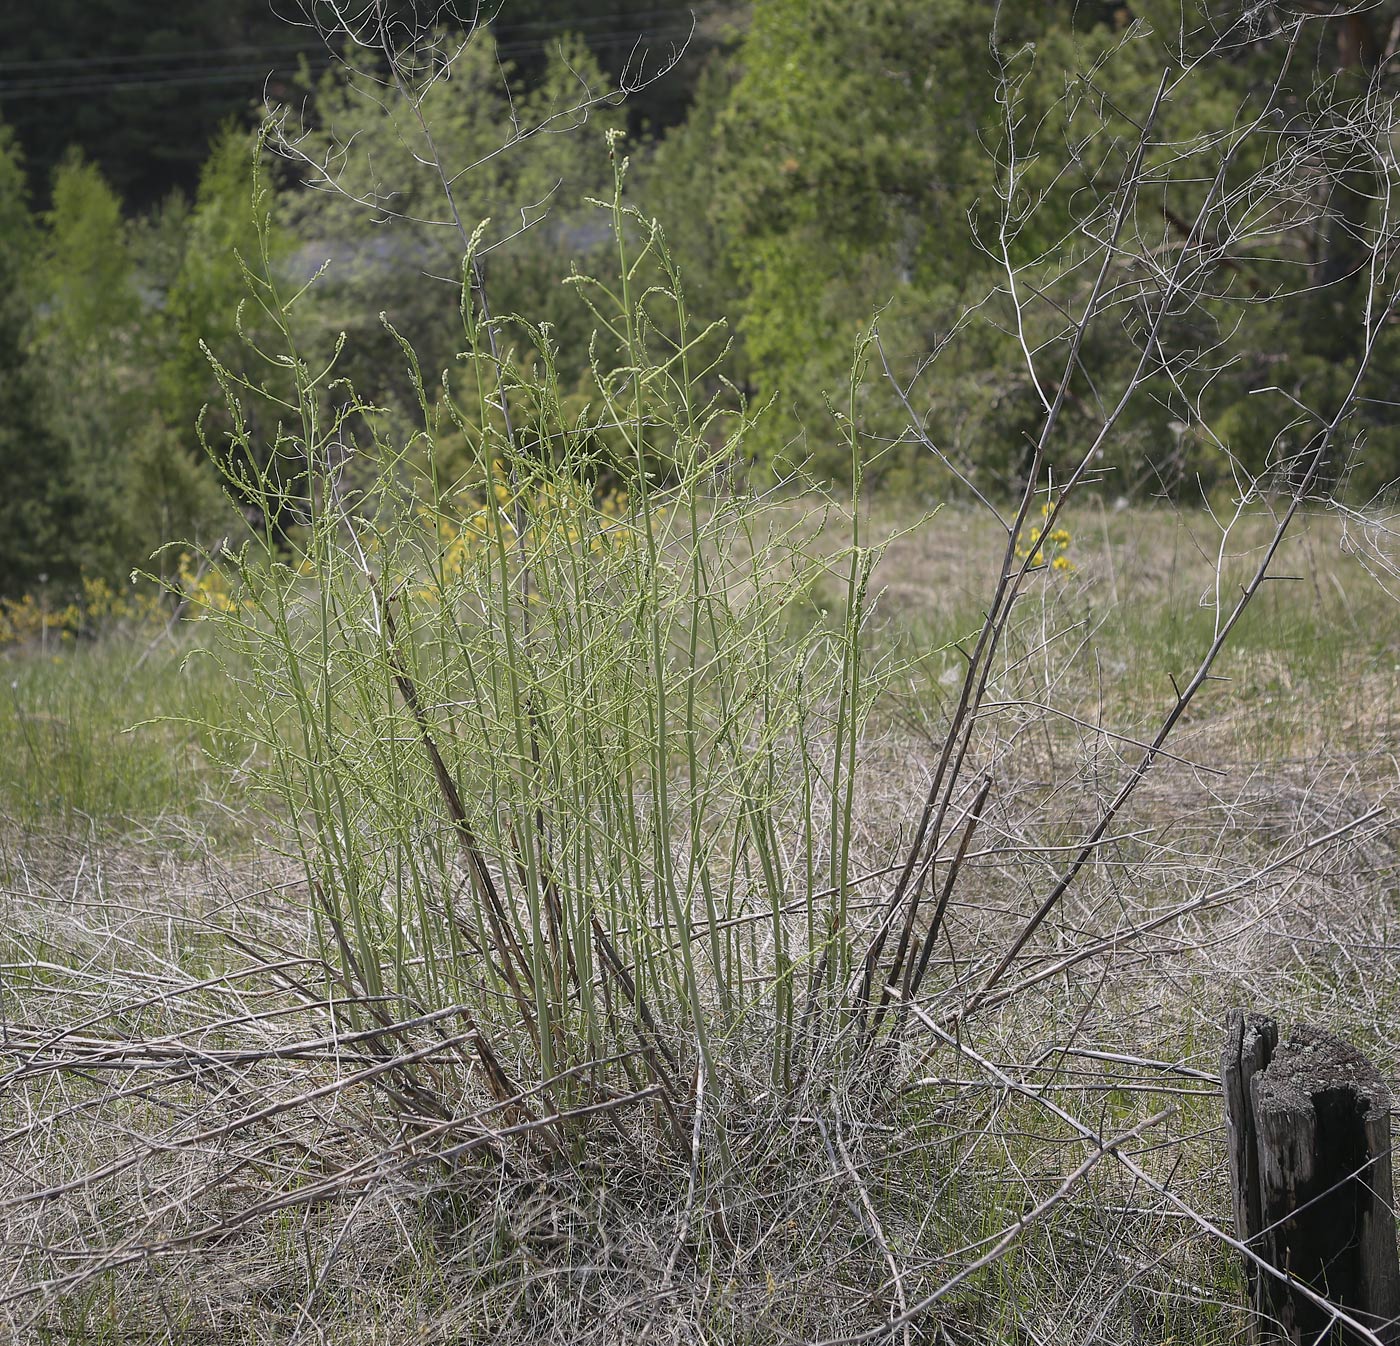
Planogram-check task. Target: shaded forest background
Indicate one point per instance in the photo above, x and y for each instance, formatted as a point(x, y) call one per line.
point(812, 160)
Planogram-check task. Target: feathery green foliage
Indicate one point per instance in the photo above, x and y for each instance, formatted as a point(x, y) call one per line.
point(542, 739)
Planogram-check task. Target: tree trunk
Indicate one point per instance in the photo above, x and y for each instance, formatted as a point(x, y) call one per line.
point(1309, 1134)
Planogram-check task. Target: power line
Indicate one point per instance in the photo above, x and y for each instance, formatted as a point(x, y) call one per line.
point(154, 58)
point(16, 90)
point(157, 59)
point(141, 80)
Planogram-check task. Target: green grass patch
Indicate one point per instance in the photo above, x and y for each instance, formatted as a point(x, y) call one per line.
point(113, 732)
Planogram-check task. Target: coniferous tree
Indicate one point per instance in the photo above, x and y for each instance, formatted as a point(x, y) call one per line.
point(32, 462)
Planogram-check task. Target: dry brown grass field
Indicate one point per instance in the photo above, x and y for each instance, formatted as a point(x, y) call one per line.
point(198, 1146)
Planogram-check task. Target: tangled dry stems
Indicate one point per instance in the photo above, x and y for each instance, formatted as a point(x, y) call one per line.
point(1028, 1148)
point(199, 1151)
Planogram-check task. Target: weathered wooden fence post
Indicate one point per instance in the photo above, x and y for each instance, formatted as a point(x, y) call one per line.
point(1308, 1123)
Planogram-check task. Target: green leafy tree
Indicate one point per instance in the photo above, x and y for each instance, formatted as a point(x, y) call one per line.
point(35, 498)
point(508, 166)
point(91, 287)
point(916, 156)
point(846, 170)
point(171, 473)
point(682, 181)
point(125, 483)
point(207, 288)
point(92, 384)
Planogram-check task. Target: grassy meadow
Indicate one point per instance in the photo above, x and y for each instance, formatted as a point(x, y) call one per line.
point(214, 1129)
point(570, 847)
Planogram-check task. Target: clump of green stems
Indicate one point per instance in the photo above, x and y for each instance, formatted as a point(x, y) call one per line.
point(570, 767)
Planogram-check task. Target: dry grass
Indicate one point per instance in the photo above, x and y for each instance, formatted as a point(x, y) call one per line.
point(195, 1153)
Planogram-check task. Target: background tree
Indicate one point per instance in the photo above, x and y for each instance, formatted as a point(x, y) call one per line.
point(855, 183)
point(142, 86)
point(531, 199)
point(85, 343)
point(34, 500)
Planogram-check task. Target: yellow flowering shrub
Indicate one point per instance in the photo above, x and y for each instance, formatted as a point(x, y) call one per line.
point(1046, 548)
point(205, 589)
point(553, 513)
point(98, 604)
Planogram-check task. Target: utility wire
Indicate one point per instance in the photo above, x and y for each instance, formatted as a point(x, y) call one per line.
point(223, 75)
point(16, 90)
point(156, 59)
